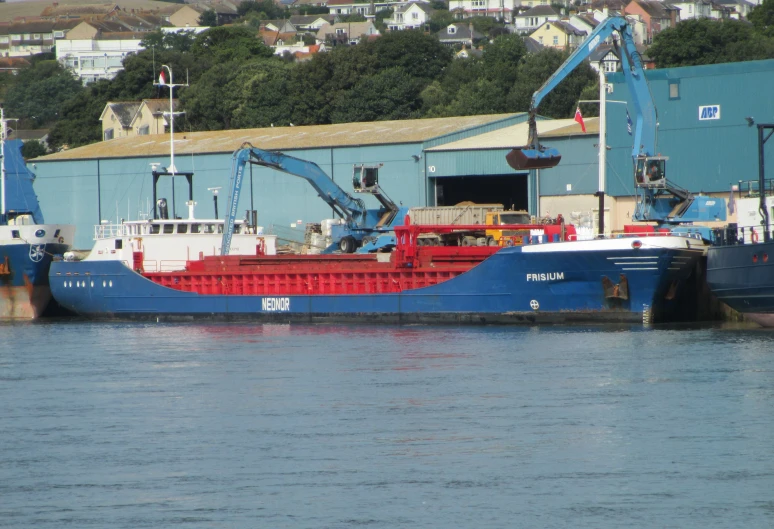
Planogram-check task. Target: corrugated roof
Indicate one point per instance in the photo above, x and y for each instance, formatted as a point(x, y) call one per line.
point(279, 138)
point(516, 135)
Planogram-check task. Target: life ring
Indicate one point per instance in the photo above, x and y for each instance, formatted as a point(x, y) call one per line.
point(61, 240)
point(753, 236)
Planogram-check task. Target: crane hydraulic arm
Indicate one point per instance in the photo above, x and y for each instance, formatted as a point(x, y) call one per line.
point(536, 156)
point(359, 222)
point(351, 209)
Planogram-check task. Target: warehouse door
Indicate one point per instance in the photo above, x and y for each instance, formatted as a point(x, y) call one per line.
point(510, 191)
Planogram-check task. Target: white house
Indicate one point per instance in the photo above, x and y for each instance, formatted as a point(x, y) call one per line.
point(93, 54)
point(485, 8)
point(693, 9)
point(584, 22)
point(412, 15)
point(533, 18)
point(346, 32)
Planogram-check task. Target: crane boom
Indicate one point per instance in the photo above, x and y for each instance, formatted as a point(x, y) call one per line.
point(359, 221)
point(536, 156)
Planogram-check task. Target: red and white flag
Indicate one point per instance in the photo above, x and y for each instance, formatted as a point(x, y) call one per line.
point(579, 119)
point(162, 77)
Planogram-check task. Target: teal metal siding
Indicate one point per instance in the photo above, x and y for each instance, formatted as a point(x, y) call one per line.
point(68, 190)
point(704, 155)
point(480, 162)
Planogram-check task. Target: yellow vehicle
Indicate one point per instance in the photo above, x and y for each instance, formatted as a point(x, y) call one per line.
point(495, 237)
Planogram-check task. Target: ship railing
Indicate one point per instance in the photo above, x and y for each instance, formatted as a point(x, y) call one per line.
point(170, 265)
point(108, 231)
point(732, 234)
point(751, 188)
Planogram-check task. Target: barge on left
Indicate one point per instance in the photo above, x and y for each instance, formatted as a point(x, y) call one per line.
point(27, 244)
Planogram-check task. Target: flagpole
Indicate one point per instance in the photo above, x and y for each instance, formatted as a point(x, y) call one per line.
point(602, 144)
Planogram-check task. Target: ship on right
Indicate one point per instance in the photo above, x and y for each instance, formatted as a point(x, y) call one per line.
point(740, 264)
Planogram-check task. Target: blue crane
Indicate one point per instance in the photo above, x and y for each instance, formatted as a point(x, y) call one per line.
point(657, 199)
point(361, 225)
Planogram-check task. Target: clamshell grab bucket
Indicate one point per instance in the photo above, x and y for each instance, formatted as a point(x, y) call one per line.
point(531, 158)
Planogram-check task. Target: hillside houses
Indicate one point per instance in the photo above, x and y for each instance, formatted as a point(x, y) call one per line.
point(530, 20)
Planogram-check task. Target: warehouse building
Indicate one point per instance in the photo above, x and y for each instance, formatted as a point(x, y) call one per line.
point(706, 126)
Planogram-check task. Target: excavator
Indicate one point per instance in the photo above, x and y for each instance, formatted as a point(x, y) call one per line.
point(362, 226)
point(658, 199)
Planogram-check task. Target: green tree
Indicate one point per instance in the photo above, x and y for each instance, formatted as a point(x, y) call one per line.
point(762, 17)
point(485, 25)
point(178, 40)
point(354, 17)
point(438, 95)
point(210, 103)
point(229, 43)
point(439, 20)
point(267, 9)
point(39, 92)
point(482, 96)
point(388, 95)
point(78, 122)
point(311, 89)
point(705, 41)
point(535, 70)
point(33, 149)
point(502, 58)
point(209, 18)
point(260, 94)
point(419, 55)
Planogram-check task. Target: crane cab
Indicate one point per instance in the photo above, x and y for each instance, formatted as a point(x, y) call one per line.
point(650, 172)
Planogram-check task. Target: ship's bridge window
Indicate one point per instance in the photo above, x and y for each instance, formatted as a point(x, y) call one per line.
point(220, 228)
point(209, 228)
point(154, 228)
point(169, 228)
point(237, 228)
point(182, 228)
point(194, 228)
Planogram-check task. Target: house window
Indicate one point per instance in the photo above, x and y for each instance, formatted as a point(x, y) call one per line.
point(556, 40)
point(340, 31)
point(144, 130)
point(674, 90)
point(451, 30)
point(36, 36)
point(58, 34)
point(540, 40)
point(108, 135)
point(415, 16)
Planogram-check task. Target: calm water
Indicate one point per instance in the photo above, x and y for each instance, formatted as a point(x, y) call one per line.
point(250, 426)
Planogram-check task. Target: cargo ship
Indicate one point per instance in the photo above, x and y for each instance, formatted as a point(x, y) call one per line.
point(27, 245)
point(544, 276)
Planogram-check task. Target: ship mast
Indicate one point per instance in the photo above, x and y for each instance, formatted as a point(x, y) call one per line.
point(163, 82)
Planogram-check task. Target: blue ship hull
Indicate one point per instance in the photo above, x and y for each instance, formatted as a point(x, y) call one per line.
point(742, 277)
point(511, 286)
point(24, 287)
